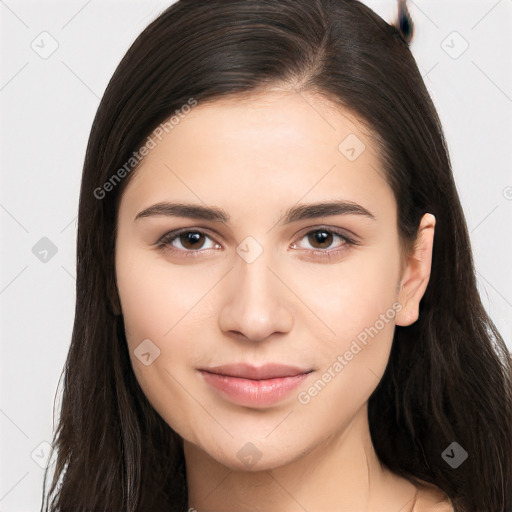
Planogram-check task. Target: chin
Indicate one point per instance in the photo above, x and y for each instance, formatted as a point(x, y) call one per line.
point(244, 455)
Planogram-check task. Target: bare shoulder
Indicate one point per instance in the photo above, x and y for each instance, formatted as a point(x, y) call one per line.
point(431, 499)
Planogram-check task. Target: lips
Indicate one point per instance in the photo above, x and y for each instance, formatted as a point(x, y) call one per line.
point(252, 386)
point(267, 371)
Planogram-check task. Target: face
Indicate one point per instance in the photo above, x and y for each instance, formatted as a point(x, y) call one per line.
point(269, 279)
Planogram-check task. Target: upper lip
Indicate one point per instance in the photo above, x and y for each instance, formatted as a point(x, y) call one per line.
point(266, 371)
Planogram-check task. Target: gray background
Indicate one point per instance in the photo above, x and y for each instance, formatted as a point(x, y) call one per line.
point(48, 101)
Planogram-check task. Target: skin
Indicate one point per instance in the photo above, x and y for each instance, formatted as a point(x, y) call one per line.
point(255, 158)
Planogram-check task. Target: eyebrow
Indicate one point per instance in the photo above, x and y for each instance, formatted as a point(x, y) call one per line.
point(293, 214)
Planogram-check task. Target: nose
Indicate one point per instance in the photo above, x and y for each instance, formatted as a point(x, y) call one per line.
point(256, 301)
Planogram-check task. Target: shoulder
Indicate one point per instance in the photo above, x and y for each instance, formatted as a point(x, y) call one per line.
point(431, 499)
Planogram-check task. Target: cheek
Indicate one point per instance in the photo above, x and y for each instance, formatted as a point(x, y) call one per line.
point(361, 311)
point(157, 297)
point(167, 305)
point(357, 302)
point(351, 295)
point(159, 308)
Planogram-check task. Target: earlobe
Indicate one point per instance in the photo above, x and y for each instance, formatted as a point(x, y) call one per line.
point(416, 273)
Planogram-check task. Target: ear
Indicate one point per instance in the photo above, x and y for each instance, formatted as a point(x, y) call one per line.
point(416, 273)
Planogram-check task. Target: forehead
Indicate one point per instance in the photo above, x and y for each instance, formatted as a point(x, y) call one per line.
point(278, 143)
point(283, 121)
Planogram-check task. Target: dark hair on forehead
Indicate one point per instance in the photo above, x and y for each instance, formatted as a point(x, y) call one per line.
point(449, 374)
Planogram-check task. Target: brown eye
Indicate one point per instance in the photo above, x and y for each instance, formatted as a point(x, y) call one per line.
point(192, 239)
point(186, 241)
point(320, 239)
point(324, 243)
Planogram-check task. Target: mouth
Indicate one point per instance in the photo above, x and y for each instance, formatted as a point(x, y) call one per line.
point(247, 385)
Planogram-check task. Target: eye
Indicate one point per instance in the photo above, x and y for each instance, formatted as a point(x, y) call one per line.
point(186, 241)
point(191, 242)
point(321, 240)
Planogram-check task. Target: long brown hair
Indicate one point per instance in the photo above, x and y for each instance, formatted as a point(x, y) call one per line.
point(448, 378)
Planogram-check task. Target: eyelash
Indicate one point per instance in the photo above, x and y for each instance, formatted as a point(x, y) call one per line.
point(164, 243)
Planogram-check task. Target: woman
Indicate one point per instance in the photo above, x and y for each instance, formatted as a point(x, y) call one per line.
point(276, 300)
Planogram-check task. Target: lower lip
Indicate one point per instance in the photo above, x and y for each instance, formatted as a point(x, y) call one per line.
point(253, 392)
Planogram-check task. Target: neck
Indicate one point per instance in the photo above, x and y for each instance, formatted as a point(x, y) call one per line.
point(341, 473)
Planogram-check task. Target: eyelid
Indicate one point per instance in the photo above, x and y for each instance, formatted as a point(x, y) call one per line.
point(349, 236)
